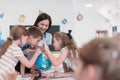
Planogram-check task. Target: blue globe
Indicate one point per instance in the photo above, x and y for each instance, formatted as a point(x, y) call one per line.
point(43, 63)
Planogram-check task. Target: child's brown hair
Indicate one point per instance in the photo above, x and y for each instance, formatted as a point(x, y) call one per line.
point(16, 32)
point(35, 32)
point(105, 54)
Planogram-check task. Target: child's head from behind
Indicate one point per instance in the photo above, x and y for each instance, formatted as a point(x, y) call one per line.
point(99, 60)
point(19, 34)
point(62, 39)
point(17, 31)
point(34, 36)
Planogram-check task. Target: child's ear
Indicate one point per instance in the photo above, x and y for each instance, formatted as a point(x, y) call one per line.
point(90, 72)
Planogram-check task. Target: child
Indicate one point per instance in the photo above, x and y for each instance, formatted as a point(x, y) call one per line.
point(28, 49)
point(69, 50)
point(11, 53)
point(99, 60)
point(33, 38)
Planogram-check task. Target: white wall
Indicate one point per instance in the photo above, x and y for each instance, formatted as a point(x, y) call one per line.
point(12, 9)
point(83, 31)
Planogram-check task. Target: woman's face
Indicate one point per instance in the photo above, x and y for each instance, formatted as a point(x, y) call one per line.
point(43, 25)
point(56, 44)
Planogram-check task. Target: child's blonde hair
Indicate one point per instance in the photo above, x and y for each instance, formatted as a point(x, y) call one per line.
point(15, 33)
point(67, 41)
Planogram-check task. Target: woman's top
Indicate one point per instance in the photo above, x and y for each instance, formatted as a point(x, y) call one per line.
point(9, 59)
point(47, 38)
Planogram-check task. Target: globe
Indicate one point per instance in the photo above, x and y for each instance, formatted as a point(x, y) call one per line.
point(43, 63)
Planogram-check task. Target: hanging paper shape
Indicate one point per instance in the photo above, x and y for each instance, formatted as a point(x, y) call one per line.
point(79, 17)
point(64, 21)
point(1, 15)
point(22, 18)
point(40, 11)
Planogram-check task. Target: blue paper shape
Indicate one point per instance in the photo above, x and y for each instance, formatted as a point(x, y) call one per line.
point(1, 15)
point(64, 21)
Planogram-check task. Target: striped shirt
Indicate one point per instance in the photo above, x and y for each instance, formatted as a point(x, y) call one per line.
point(8, 61)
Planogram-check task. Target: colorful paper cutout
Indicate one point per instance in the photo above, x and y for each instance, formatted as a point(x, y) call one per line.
point(1, 15)
point(22, 18)
point(40, 11)
point(64, 21)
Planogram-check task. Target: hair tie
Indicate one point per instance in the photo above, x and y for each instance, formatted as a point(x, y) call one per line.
point(69, 34)
point(10, 38)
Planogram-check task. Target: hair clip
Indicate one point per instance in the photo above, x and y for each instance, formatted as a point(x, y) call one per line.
point(69, 34)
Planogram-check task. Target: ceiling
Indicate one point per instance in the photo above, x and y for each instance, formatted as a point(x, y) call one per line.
point(108, 8)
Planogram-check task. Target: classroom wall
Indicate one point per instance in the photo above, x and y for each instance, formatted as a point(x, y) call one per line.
point(82, 31)
point(12, 9)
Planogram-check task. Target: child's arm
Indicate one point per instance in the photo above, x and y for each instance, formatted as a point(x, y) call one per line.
point(29, 63)
point(22, 70)
point(27, 51)
point(55, 61)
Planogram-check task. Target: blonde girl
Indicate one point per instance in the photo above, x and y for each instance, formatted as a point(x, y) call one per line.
point(11, 53)
point(65, 43)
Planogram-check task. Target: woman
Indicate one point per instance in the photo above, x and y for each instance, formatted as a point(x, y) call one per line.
point(43, 22)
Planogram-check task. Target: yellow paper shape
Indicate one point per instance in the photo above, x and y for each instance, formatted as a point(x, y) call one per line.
point(21, 18)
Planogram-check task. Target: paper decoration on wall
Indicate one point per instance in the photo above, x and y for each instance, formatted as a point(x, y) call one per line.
point(1, 15)
point(40, 11)
point(22, 18)
point(64, 21)
point(79, 17)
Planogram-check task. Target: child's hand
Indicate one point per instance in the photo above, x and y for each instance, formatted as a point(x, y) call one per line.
point(27, 51)
point(39, 47)
point(38, 51)
point(46, 47)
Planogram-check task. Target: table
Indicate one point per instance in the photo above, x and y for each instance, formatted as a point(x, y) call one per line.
point(65, 78)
